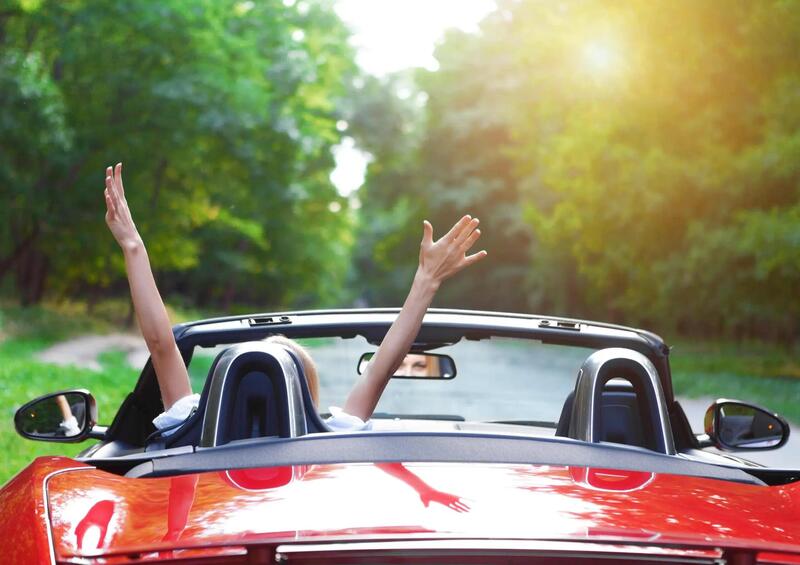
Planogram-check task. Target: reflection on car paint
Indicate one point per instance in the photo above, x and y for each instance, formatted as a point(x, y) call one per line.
point(347, 501)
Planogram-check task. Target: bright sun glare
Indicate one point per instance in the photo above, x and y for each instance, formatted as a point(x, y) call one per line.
point(600, 57)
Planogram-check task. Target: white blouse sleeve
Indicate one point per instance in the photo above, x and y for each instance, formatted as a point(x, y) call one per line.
point(176, 414)
point(341, 421)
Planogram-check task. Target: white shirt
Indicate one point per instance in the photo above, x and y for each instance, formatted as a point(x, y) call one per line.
point(339, 421)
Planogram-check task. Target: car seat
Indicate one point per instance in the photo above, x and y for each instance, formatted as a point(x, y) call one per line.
point(620, 419)
point(253, 398)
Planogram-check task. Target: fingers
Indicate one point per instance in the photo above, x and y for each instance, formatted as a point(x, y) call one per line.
point(458, 506)
point(427, 233)
point(470, 240)
point(114, 188)
point(455, 231)
point(110, 205)
point(468, 234)
point(109, 192)
point(118, 179)
point(474, 258)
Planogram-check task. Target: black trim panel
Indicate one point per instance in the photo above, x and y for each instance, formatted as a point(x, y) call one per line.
point(377, 447)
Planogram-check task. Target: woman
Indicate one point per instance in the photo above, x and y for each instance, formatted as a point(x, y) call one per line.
point(438, 260)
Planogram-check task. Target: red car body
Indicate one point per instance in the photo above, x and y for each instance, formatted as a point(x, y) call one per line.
point(58, 510)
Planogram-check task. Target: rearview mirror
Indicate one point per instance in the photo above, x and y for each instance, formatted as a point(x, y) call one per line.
point(67, 416)
point(418, 366)
point(734, 425)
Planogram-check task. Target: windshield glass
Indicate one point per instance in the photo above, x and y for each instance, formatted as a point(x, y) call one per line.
point(498, 379)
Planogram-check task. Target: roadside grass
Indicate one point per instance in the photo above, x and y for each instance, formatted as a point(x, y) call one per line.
point(23, 378)
point(26, 331)
point(761, 373)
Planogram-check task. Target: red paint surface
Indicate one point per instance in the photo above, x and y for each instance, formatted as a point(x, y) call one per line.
point(23, 520)
point(96, 513)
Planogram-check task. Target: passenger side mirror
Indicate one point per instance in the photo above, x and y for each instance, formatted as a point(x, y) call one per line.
point(734, 425)
point(67, 416)
point(418, 366)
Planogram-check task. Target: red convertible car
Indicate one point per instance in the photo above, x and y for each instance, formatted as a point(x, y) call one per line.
point(509, 439)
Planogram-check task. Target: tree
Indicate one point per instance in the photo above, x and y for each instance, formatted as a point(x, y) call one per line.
point(224, 113)
point(636, 161)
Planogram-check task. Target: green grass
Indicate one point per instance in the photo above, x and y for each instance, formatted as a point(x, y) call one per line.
point(22, 378)
point(761, 373)
point(26, 331)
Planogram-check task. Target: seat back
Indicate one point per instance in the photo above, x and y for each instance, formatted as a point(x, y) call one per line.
point(255, 389)
point(637, 417)
point(252, 407)
point(620, 421)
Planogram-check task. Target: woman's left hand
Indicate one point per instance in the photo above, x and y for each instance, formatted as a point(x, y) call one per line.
point(446, 256)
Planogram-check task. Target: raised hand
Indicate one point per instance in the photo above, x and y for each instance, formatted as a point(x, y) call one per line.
point(173, 379)
point(446, 256)
point(118, 215)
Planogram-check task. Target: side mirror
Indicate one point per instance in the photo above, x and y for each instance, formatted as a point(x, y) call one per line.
point(418, 366)
point(733, 425)
point(66, 416)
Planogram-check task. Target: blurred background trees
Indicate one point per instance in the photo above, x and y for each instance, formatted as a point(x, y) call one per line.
point(636, 162)
point(224, 114)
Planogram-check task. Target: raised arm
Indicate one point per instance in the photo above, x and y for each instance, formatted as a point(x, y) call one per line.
point(173, 379)
point(438, 260)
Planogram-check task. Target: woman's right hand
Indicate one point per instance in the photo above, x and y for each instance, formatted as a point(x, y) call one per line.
point(443, 258)
point(118, 215)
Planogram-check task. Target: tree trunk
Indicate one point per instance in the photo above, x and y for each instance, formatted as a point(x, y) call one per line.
point(9, 261)
point(32, 270)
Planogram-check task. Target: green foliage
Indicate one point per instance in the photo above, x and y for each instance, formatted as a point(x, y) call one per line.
point(637, 162)
point(224, 114)
point(392, 202)
point(632, 161)
point(47, 323)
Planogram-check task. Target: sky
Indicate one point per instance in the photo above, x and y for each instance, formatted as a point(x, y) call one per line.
point(391, 35)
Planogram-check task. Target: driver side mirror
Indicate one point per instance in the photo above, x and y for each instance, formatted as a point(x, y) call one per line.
point(733, 425)
point(67, 416)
